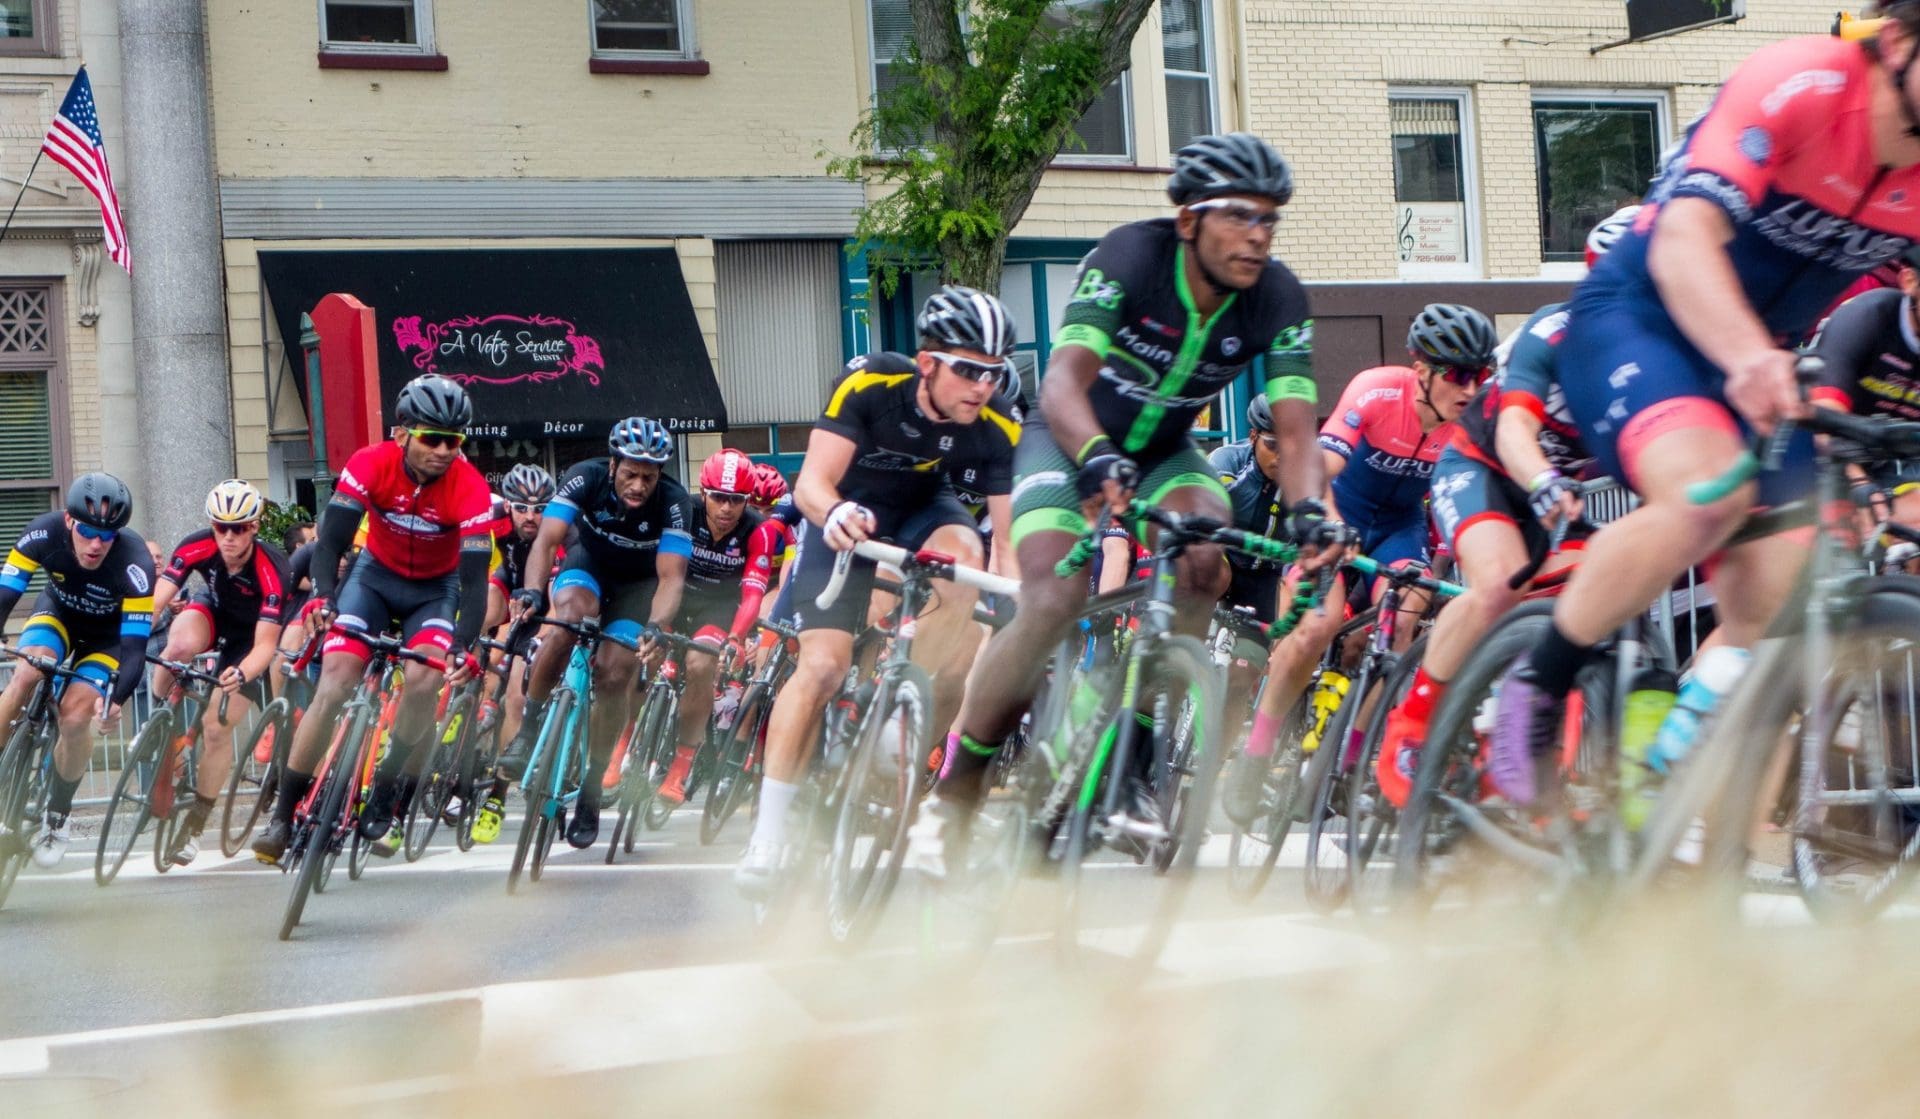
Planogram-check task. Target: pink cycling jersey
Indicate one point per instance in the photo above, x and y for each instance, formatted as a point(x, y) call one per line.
point(1376, 428)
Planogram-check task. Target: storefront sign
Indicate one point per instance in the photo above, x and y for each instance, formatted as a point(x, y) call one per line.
point(1431, 232)
point(551, 343)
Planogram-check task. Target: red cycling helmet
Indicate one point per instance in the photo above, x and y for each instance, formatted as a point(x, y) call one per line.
point(768, 485)
point(727, 471)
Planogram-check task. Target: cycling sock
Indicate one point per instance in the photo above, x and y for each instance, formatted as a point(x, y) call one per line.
point(60, 794)
point(197, 815)
point(967, 757)
point(293, 789)
point(1425, 692)
point(776, 799)
point(1554, 662)
point(1264, 736)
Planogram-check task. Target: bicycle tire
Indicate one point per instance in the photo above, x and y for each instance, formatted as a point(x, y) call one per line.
point(437, 778)
point(1177, 669)
point(316, 858)
point(662, 746)
point(477, 765)
point(533, 784)
point(131, 807)
point(879, 787)
point(734, 781)
point(627, 795)
point(1253, 851)
point(17, 810)
point(277, 720)
point(1371, 833)
point(1326, 885)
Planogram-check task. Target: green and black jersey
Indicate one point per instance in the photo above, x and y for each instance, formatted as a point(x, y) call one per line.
point(1164, 363)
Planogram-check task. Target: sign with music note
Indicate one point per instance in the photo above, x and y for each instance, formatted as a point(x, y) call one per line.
point(1431, 232)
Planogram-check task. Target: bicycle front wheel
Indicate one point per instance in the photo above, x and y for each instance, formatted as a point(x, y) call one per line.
point(131, 807)
point(1253, 851)
point(534, 785)
point(252, 784)
point(662, 743)
point(19, 806)
point(870, 829)
point(1329, 815)
point(1113, 917)
point(314, 839)
point(438, 776)
point(734, 778)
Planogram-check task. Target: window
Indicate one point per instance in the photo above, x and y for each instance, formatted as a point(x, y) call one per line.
point(642, 27)
point(26, 27)
point(889, 30)
point(1186, 48)
point(29, 421)
point(386, 26)
point(1104, 130)
point(1594, 157)
point(1432, 182)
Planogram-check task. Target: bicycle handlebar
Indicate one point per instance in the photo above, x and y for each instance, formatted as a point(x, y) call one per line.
point(942, 567)
point(1185, 528)
point(1405, 576)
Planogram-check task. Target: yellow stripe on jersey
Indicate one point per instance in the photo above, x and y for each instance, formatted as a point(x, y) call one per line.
point(22, 562)
point(1007, 427)
point(860, 382)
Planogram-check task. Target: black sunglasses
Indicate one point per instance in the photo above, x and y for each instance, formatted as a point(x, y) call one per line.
point(1464, 376)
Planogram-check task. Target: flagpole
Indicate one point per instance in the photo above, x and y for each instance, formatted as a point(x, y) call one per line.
point(23, 191)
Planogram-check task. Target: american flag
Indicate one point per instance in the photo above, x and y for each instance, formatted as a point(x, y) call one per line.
point(73, 140)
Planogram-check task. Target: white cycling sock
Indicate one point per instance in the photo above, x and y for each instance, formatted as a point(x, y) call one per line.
point(770, 824)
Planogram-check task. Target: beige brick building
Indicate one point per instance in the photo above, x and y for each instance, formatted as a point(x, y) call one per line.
point(1453, 151)
point(66, 363)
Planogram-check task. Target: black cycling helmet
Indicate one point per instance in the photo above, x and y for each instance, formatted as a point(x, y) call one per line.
point(434, 401)
point(1259, 414)
point(527, 484)
point(101, 501)
point(1236, 163)
point(1452, 335)
point(967, 319)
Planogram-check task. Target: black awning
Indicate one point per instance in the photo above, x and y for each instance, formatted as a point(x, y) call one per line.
point(554, 343)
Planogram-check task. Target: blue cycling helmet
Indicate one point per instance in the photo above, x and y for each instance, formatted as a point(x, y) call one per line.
point(639, 439)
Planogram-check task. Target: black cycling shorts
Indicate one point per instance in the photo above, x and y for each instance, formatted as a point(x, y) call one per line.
point(625, 605)
point(1258, 591)
point(814, 563)
point(373, 600)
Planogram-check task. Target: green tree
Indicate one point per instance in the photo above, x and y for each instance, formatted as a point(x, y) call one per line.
point(985, 97)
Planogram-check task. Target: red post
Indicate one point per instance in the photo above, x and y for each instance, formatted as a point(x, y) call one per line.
point(350, 376)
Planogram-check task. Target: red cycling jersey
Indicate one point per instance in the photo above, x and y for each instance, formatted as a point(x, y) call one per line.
point(765, 550)
point(1376, 428)
point(414, 530)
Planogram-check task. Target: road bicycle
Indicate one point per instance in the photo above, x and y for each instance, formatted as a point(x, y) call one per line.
point(161, 770)
point(26, 764)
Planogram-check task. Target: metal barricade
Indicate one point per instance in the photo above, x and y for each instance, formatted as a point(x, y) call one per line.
point(109, 753)
point(1680, 612)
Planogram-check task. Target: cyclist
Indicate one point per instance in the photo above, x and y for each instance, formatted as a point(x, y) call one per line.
point(1380, 446)
point(726, 539)
point(526, 490)
point(774, 549)
point(1509, 476)
point(96, 611)
point(1871, 346)
point(1797, 180)
point(424, 568)
point(239, 611)
point(880, 465)
point(628, 567)
point(1164, 315)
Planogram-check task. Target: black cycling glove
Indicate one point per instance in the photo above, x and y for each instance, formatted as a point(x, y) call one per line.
point(1105, 464)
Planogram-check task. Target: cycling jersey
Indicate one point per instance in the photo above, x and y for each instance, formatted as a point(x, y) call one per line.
point(256, 593)
point(1256, 502)
point(718, 561)
point(1786, 150)
point(1526, 380)
point(1873, 357)
point(82, 610)
point(1162, 362)
point(415, 530)
point(1376, 428)
point(621, 543)
point(903, 459)
point(299, 581)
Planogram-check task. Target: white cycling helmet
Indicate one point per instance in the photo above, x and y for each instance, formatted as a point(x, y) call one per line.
point(234, 502)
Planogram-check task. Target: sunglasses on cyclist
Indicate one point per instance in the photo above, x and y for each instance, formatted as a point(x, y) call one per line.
point(525, 509)
point(1240, 214)
point(88, 532)
point(972, 370)
point(437, 439)
point(1462, 375)
point(241, 529)
point(727, 498)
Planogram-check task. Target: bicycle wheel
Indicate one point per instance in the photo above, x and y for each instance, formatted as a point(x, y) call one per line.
point(735, 778)
point(876, 805)
point(476, 767)
point(438, 776)
point(541, 806)
point(21, 793)
point(1326, 877)
point(662, 745)
point(630, 795)
point(314, 839)
point(252, 785)
point(1111, 916)
point(1253, 851)
point(1369, 841)
point(552, 827)
point(131, 806)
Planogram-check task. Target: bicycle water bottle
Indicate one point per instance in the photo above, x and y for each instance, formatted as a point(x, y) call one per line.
point(1715, 672)
point(1648, 704)
point(1327, 697)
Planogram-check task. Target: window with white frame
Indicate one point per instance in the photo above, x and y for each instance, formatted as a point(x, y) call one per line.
point(377, 25)
point(1595, 155)
point(642, 28)
point(27, 27)
point(889, 31)
point(1433, 195)
point(1105, 130)
point(1186, 49)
